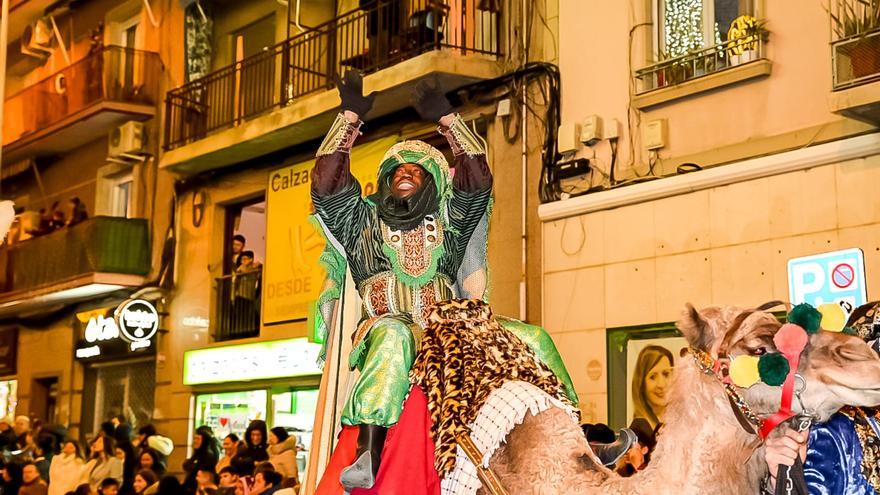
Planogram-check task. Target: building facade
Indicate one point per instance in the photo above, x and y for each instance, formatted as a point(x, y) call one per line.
point(84, 82)
point(737, 136)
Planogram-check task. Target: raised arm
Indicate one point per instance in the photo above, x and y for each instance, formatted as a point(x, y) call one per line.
point(472, 174)
point(336, 193)
point(332, 170)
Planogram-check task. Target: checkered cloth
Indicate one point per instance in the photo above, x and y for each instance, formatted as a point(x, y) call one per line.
point(505, 408)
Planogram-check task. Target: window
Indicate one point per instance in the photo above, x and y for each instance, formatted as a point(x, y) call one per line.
point(683, 26)
point(120, 196)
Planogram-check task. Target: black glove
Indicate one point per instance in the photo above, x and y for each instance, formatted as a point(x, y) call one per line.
point(351, 91)
point(430, 101)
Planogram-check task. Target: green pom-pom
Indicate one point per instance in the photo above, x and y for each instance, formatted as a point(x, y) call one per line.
point(850, 331)
point(806, 316)
point(773, 369)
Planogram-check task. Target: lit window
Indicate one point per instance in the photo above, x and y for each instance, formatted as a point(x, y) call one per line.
point(690, 25)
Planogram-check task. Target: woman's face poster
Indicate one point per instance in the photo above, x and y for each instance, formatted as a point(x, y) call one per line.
point(650, 369)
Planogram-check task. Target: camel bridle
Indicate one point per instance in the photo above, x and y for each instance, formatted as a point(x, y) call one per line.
point(793, 386)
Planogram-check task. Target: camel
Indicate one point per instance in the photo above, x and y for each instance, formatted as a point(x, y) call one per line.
point(702, 448)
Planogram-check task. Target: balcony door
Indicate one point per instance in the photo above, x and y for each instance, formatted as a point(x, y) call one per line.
point(255, 77)
point(125, 68)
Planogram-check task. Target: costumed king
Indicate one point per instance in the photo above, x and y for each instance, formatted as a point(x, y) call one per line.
point(421, 239)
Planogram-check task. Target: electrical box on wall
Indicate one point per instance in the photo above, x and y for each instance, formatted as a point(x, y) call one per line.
point(567, 138)
point(612, 129)
point(654, 134)
point(591, 130)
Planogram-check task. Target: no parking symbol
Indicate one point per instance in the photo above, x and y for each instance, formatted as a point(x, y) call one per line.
point(838, 276)
point(842, 275)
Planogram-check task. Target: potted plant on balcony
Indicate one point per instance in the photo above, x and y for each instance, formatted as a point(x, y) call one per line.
point(744, 38)
point(858, 32)
point(681, 69)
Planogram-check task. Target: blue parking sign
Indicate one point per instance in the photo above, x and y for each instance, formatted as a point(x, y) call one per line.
point(838, 276)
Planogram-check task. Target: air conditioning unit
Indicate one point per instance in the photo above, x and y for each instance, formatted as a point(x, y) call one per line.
point(128, 139)
point(36, 40)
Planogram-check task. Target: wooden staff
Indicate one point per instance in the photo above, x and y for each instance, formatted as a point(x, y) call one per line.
point(490, 482)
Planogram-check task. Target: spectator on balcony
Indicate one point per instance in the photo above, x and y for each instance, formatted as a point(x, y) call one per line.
point(246, 290)
point(95, 65)
point(238, 244)
point(78, 214)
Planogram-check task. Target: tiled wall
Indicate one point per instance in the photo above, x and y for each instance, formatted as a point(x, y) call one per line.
point(728, 245)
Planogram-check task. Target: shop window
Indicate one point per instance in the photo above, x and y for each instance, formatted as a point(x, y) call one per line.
point(8, 397)
point(239, 290)
point(230, 412)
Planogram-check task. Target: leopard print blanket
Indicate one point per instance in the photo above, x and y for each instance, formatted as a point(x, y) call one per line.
point(465, 355)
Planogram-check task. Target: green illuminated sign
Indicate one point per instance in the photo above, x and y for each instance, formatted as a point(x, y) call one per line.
point(258, 361)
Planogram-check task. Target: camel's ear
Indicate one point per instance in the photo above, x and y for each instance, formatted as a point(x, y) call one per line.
point(695, 329)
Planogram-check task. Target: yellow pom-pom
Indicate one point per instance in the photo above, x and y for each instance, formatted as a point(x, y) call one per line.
point(744, 371)
point(833, 317)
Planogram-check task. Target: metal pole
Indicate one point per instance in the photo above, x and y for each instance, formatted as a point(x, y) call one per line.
point(4, 34)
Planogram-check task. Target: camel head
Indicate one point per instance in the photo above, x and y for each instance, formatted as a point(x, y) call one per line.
point(839, 369)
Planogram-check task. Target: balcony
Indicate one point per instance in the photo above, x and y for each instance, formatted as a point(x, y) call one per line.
point(81, 103)
point(698, 71)
point(855, 59)
point(99, 255)
point(284, 94)
point(238, 305)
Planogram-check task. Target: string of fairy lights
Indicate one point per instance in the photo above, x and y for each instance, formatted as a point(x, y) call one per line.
point(683, 20)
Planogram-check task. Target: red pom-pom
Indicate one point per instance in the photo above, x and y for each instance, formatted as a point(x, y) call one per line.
point(791, 339)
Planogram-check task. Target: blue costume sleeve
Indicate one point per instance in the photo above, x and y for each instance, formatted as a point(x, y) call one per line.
point(834, 459)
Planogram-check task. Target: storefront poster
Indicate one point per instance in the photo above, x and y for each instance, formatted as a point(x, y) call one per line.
point(292, 276)
point(641, 364)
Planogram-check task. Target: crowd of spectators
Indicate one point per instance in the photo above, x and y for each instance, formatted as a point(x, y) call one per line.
point(44, 460)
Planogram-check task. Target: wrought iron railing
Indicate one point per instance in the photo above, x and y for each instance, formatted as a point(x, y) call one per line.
point(369, 40)
point(696, 64)
point(96, 245)
point(238, 305)
point(112, 73)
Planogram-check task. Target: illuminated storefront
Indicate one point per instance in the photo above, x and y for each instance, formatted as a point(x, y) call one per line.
point(117, 348)
point(275, 381)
